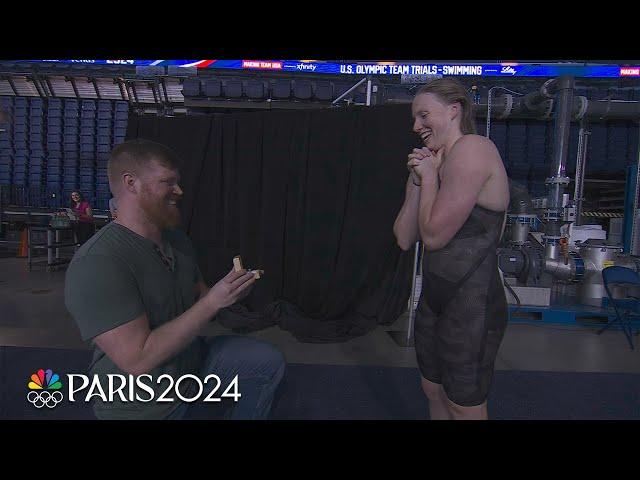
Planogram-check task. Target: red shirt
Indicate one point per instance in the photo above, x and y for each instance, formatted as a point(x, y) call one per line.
point(81, 211)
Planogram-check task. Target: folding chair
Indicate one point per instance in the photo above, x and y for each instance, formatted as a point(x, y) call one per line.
point(624, 307)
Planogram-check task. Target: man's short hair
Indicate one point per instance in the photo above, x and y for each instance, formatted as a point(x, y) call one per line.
point(136, 155)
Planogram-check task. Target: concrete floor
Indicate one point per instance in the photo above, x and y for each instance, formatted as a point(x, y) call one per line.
point(32, 313)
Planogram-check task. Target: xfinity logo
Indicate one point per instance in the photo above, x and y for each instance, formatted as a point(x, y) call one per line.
point(306, 66)
point(509, 70)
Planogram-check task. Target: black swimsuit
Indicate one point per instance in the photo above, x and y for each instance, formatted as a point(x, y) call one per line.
point(462, 313)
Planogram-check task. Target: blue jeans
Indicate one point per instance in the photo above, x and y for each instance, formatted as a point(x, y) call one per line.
point(259, 367)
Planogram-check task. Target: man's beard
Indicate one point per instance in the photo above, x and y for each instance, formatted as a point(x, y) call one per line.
point(159, 212)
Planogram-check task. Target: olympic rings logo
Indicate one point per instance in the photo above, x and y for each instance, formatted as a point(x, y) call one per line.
point(40, 399)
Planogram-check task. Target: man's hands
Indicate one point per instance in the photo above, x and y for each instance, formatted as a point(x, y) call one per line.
point(233, 287)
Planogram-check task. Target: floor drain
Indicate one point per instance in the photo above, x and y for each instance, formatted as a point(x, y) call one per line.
point(44, 290)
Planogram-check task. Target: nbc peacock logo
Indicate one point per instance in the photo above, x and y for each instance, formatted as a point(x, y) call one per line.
point(44, 389)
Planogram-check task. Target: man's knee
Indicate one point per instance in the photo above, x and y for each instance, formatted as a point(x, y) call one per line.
point(460, 412)
point(432, 390)
point(267, 358)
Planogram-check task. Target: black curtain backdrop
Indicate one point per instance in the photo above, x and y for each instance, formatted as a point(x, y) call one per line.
point(308, 196)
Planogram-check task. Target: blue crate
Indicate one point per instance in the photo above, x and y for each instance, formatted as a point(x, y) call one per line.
point(118, 139)
point(87, 155)
point(20, 113)
point(54, 169)
point(19, 180)
point(54, 114)
point(36, 102)
point(104, 105)
point(88, 105)
point(20, 129)
point(71, 155)
point(121, 116)
point(121, 106)
point(120, 131)
point(5, 179)
point(103, 139)
point(71, 122)
point(55, 130)
point(36, 113)
point(20, 152)
point(36, 121)
point(6, 102)
point(24, 168)
point(54, 147)
point(36, 137)
point(6, 144)
point(54, 137)
point(71, 114)
point(88, 123)
point(39, 169)
point(19, 136)
point(54, 164)
point(86, 149)
point(105, 123)
point(120, 124)
point(71, 103)
point(71, 130)
point(101, 156)
point(70, 147)
point(20, 102)
point(89, 114)
point(6, 169)
point(104, 148)
point(87, 130)
point(6, 136)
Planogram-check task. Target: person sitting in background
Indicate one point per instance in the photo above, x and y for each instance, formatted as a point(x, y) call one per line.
point(113, 208)
point(84, 227)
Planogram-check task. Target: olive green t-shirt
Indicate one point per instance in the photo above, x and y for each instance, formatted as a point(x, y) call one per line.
point(114, 278)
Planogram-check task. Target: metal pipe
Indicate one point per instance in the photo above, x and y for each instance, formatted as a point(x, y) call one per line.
point(507, 106)
point(583, 143)
point(558, 181)
point(565, 86)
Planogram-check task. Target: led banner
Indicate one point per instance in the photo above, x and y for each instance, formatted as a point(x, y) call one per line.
point(383, 68)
